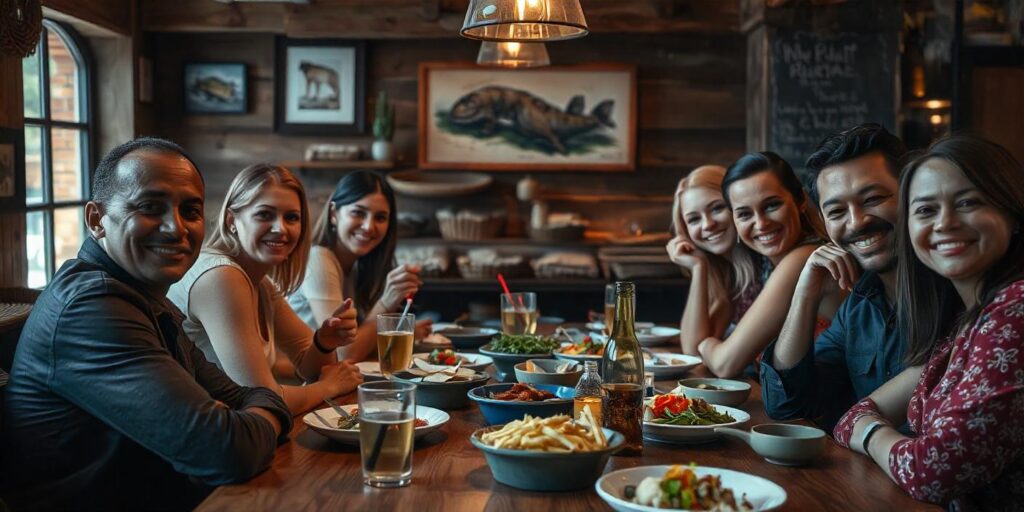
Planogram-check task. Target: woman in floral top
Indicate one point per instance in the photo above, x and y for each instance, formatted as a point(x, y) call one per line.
point(961, 285)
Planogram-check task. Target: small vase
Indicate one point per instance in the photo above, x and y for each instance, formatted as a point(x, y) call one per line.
point(381, 150)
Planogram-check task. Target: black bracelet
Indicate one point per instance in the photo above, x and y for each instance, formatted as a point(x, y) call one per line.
point(316, 343)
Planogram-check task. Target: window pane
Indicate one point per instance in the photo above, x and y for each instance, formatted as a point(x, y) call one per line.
point(35, 244)
point(30, 78)
point(63, 80)
point(34, 165)
point(67, 163)
point(67, 234)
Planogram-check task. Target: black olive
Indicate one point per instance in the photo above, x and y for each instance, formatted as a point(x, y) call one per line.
point(630, 492)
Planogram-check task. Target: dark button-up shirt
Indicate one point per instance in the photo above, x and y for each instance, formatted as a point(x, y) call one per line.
point(860, 351)
point(110, 406)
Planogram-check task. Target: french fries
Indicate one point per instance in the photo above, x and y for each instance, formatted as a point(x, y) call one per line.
point(555, 434)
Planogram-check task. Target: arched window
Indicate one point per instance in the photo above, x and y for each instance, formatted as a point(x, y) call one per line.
point(58, 125)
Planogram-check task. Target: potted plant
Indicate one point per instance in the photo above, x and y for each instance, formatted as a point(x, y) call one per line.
point(383, 128)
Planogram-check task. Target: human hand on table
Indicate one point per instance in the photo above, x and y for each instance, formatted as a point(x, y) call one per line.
point(340, 378)
point(423, 329)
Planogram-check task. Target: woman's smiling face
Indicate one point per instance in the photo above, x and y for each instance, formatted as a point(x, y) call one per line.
point(269, 228)
point(766, 215)
point(954, 229)
point(708, 220)
point(362, 225)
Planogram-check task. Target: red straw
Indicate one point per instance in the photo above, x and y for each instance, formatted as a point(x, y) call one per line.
point(504, 286)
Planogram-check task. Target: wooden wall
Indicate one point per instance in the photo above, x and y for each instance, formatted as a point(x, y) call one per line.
point(997, 106)
point(13, 270)
point(691, 111)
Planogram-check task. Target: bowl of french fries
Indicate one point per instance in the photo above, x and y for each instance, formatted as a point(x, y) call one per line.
point(549, 371)
point(555, 453)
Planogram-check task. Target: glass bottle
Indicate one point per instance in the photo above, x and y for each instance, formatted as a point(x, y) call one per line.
point(589, 392)
point(622, 370)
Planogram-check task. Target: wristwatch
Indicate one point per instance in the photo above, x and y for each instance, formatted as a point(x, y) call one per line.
point(869, 431)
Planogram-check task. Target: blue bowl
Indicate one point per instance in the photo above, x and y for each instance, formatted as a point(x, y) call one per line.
point(497, 412)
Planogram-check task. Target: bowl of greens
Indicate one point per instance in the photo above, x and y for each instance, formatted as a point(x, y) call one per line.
point(508, 350)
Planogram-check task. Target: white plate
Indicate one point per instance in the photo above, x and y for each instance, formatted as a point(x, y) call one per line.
point(599, 326)
point(762, 493)
point(665, 371)
point(657, 336)
point(434, 418)
point(475, 362)
point(691, 434)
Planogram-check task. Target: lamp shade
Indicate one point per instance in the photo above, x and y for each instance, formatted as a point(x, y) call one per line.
point(524, 20)
point(513, 55)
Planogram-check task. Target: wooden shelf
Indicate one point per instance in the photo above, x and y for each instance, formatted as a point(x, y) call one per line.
point(338, 164)
point(510, 241)
point(456, 284)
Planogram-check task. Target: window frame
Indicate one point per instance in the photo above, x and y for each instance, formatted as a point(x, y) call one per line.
point(85, 125)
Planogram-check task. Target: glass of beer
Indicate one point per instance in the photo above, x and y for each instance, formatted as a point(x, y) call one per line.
point(519, 313)
point(394, 342)
point(387, 415)
point(609, 307)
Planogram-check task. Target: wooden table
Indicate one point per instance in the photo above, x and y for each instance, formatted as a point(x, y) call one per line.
point(313, 473)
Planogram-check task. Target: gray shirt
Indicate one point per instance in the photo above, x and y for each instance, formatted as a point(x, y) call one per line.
point(110, 406)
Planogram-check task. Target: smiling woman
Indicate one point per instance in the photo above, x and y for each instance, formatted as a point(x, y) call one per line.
point(233, 295)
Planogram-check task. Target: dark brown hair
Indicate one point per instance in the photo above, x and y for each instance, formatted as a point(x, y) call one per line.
point(928, 306)
point(752, 164)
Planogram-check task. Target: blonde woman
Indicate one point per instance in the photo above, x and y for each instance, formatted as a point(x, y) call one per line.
point(233, 296)
point(722, 282)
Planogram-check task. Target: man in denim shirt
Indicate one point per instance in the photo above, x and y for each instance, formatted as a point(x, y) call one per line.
point(853, 178)
point(109, 405)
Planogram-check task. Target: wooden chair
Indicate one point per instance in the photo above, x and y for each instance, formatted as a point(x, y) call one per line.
point(15, 305)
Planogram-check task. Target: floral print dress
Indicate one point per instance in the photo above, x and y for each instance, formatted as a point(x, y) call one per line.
point(967, 413)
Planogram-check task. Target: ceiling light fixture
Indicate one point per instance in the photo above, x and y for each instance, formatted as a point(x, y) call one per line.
point(513, 55)
point(524, 20)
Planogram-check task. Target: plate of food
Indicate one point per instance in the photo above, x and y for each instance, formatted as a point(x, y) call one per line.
point(329, 423)
point(507, 350)
point(656, 335)
point(588, 348)
point(449, 357)
point(502, 403)
point(370, 370)
point(467, 338)
point(666, 365)
point(678, 419)
point(657, 488)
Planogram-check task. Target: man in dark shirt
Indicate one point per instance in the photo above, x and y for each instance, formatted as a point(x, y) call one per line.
point(853, 178)
point(109, 405)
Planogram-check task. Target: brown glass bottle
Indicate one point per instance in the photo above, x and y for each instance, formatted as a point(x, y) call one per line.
point(622, 370)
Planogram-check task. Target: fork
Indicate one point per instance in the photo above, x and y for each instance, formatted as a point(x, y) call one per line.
point(338, 409)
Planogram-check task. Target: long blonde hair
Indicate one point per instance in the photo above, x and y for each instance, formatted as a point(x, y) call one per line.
point(734, 273)
point(245, 188)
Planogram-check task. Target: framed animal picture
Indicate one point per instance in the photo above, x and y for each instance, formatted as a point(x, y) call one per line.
point(556, 118)
point(215, 88)
point(12, 169)
point(319, 87)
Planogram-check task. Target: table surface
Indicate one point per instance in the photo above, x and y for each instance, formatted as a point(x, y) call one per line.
point(311, 472)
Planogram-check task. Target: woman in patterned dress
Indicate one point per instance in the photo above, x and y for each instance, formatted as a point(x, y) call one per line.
point(961, 286)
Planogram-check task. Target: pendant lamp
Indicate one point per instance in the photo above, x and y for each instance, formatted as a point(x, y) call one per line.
point(524, 20)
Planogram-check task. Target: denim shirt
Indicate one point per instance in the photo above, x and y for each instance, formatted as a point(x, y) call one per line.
point(860, 351)
point(110, 406)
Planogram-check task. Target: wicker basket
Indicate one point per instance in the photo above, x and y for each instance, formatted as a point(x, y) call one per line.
point(467, 225)
point(486, 264)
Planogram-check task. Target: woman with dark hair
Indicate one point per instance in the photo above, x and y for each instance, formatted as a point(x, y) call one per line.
point(353, 256)
point(233, 297)
point(961, 302)
point(775, 220)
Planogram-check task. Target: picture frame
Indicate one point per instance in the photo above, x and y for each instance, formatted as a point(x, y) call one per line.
point(319, 86)
point(566, 118)
point(12, 170)
point(215, 88)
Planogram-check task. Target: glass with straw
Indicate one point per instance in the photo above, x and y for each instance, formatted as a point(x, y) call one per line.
point(394, 340)
point(387, 415)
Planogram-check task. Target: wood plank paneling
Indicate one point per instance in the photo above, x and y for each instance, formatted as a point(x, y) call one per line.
point(13, 270)
point(997, 107)
point(383, 19)
point(114, 15)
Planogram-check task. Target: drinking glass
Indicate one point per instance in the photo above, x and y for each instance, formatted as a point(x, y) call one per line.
point(609, 307)
point(387, 415)
point(394, 341)
point(519, 313)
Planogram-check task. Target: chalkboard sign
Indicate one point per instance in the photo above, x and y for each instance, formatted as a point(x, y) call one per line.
point(822, 83)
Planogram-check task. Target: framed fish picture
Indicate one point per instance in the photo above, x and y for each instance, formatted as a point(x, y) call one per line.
point(555, 118)
point(319, 87)
point(215, 88)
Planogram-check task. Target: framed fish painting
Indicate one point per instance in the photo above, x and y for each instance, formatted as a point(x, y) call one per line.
point(556, 118)
point(215, 88)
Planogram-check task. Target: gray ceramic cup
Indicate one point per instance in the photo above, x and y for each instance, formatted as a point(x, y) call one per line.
point(781, 443)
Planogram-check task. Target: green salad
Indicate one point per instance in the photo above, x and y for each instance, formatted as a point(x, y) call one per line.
point(522, 344)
